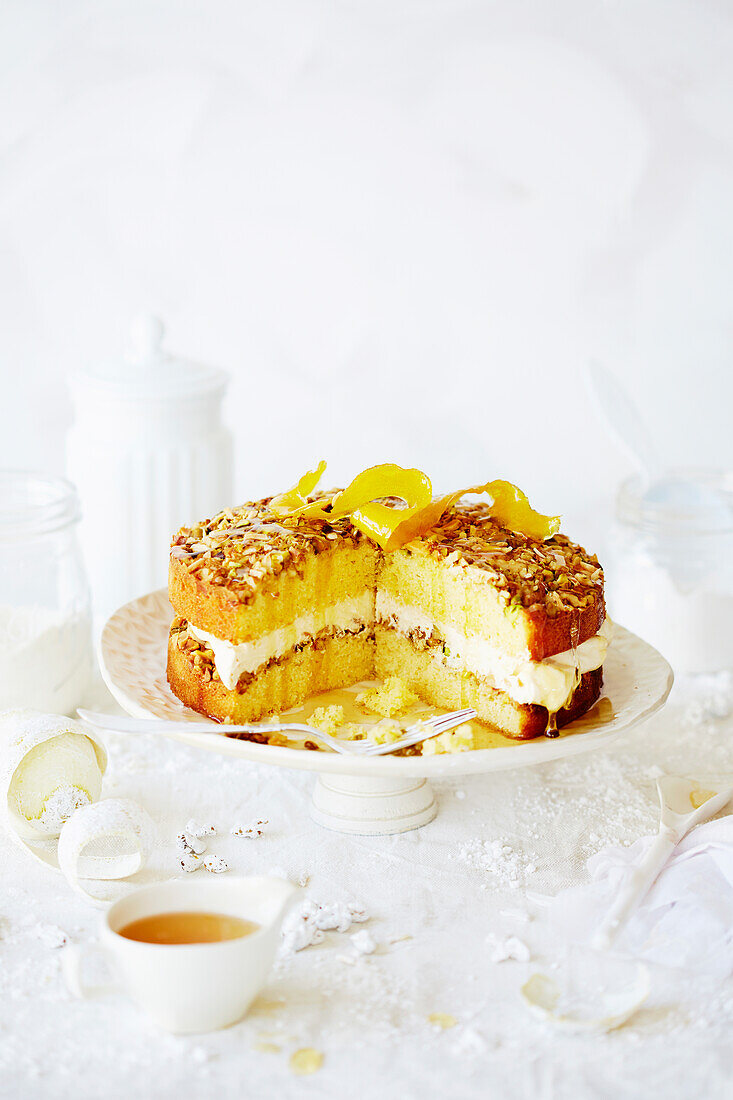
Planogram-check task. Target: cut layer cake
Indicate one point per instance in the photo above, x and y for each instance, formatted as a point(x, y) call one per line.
point(471, 603)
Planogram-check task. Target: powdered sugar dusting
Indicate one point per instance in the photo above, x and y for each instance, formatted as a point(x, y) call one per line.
point(60, 805)
point(508, 867)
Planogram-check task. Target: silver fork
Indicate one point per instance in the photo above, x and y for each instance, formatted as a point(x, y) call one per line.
point(420, 731)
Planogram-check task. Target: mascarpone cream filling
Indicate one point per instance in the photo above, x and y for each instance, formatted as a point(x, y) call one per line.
point(548, 683)
point(232, 660)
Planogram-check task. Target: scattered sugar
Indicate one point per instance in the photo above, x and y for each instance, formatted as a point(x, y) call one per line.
point(507, 866)
point(510, 947)
point(363, 942)
point(51, 935)
point(339, 916)
point(60, 805)
point(468, 1042)
point(517, 914)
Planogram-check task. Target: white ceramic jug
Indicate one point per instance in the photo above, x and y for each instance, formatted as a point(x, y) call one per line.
point(148, 453)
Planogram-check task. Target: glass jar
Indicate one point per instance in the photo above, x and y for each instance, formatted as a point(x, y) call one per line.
point(45, 618)
point(669, 574)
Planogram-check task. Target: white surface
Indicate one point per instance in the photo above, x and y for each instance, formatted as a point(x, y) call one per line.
point(455, 887)
point(132, 655)
point(350, 204)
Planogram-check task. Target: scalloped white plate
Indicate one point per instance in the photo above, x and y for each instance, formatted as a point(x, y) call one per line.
point(637, 681)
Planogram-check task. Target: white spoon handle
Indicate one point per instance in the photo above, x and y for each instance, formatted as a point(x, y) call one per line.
point(635, 890)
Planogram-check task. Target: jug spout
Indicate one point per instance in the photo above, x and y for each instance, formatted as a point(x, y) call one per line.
point(279, 895)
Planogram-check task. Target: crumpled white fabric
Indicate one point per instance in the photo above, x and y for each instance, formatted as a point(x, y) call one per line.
point(686, 919)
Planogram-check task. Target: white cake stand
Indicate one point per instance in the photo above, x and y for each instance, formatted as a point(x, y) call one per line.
point(386, 794)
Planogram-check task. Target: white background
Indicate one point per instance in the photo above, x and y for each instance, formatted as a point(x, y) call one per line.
point(403, 225)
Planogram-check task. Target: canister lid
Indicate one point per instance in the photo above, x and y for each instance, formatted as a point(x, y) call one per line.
point(147, 371)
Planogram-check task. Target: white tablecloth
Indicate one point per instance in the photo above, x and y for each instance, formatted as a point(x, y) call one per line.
point(436, 898)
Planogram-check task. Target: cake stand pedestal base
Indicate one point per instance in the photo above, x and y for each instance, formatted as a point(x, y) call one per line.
point(368, 806)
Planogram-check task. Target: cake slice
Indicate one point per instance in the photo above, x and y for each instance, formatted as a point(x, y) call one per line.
point(473, 614)
point(275, 605)
point(268, 611)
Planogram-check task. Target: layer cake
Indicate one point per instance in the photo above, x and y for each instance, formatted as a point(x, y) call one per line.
point(275, 605)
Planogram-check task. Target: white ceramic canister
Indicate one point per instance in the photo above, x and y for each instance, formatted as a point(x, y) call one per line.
point(148, 453)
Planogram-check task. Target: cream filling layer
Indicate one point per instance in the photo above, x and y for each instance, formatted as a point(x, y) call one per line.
point(549, 683)
point(232, 660)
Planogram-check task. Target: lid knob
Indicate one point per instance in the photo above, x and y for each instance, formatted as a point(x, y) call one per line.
point(145, 339)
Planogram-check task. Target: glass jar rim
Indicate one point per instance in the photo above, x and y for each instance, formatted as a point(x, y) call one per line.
point(32, 504)
point(634, 509)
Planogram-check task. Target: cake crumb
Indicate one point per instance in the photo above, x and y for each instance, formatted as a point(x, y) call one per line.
point(51, 935)
point(390, 698)
point(327, 719)
point(460, 739)
point(442, 1020)
point(387, 731)
point(306, 1060)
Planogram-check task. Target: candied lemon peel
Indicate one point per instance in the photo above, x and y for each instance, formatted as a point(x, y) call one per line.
point(296, 499)
point(363, 501)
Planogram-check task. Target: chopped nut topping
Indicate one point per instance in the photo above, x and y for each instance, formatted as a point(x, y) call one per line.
point(243, 548)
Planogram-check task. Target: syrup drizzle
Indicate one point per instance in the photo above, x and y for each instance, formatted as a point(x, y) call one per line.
point(551, 729)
